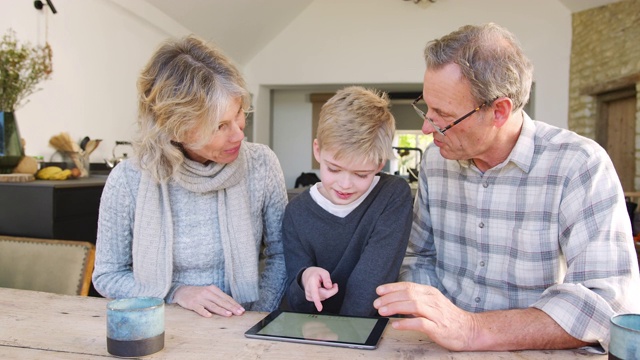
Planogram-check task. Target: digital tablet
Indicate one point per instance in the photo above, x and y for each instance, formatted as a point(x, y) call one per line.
point(320, 329)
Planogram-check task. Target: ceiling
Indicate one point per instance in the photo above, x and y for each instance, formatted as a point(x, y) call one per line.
point(241, 27)
point(244, 27)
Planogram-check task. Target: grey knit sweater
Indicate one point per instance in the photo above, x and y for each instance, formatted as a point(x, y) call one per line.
point(197, 250)
point(361, 251)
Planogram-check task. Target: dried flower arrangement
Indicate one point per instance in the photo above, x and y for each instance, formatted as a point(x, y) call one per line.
point(22, 67)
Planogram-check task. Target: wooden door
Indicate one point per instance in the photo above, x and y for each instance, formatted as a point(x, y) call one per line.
point(617, 132)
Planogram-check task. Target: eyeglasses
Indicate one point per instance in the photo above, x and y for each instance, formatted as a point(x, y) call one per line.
point(424, 116)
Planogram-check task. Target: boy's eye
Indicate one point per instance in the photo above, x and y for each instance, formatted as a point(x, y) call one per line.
point(222, 126)
point(332, 170)
point(362, 176)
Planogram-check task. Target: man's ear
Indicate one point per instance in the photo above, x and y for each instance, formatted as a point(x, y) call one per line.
point(501, 110)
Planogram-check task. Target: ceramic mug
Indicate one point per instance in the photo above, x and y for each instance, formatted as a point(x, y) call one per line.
point(135, 326)
point(625, 337)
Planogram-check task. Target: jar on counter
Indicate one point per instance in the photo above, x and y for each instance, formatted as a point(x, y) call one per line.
point(40, 161)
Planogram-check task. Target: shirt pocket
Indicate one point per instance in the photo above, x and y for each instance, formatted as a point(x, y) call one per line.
point(532, 260)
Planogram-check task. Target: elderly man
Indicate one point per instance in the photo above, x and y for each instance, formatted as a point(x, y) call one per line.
point(520, 238)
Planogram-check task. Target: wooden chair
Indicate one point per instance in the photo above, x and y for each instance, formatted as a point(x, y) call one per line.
point(56, 266)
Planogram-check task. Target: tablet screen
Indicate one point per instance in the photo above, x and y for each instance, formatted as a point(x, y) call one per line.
point(322, 329)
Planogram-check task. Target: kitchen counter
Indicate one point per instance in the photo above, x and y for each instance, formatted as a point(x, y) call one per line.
point(69, 183)
point(66, 209)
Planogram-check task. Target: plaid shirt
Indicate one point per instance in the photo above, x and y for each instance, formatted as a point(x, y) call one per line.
point(547, 228)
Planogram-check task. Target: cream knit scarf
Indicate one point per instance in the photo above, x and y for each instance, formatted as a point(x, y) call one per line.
point(153, 228)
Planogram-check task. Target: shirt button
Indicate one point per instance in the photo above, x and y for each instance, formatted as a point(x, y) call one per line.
point(481, 263)
point(481, 225)
point(477, 299)
point(485, 184)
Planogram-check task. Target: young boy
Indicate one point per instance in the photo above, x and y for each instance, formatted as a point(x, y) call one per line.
point(348, 233)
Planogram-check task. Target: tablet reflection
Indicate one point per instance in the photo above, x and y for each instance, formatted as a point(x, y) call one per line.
point(316, 330)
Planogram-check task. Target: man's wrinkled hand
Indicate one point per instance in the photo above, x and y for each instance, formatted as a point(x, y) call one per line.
point(433, 314)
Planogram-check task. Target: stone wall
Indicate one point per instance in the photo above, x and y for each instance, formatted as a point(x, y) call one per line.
point(605, 56)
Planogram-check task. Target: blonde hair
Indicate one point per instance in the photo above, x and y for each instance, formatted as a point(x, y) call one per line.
point(187, 85)
point(490, 58)
point(356, 122)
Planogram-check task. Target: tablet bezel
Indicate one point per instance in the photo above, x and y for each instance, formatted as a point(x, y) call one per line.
point(370, 344)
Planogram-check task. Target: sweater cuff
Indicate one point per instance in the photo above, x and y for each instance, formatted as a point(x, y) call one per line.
point(172, 291)
point(299, 277)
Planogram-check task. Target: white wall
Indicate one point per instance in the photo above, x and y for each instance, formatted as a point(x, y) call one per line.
point(99, 48)
point(381, 42)
point(292, 133)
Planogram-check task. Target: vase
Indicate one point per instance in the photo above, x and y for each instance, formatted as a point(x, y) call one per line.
point(11, 149)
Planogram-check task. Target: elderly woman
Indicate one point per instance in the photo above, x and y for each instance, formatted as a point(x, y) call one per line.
point(186, 217)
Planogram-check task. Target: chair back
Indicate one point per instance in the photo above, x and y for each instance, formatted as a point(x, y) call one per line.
point(56, 266)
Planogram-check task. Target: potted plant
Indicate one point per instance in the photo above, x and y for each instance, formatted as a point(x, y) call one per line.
point(22, 67)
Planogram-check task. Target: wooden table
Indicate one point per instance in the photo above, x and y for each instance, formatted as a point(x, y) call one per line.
point(36, 325)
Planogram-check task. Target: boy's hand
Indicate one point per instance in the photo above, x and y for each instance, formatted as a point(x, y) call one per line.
point(317, 285)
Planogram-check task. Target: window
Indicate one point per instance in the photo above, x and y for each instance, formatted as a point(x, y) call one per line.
point(406, 160)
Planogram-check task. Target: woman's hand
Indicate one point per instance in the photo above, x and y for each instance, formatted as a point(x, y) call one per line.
point(207, 300)
point(317, 285)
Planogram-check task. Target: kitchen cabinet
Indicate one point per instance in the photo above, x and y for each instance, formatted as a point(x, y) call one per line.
point(66, 210)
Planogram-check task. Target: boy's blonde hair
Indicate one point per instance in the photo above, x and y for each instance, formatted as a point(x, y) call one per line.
point(357, 123)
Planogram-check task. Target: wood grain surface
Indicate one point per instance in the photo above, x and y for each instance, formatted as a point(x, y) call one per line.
point(37, 325)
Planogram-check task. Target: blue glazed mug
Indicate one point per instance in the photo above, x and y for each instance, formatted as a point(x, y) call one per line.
point(135, 326)
point(625, 337)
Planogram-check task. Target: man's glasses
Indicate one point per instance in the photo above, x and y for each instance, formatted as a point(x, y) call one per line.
point(424, 116)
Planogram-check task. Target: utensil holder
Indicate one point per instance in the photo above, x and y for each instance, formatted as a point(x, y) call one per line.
point(75, 160)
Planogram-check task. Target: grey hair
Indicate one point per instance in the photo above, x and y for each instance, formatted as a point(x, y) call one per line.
point(490, 58)
point(186, 86)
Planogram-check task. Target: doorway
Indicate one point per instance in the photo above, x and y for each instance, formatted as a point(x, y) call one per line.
point(616, 132)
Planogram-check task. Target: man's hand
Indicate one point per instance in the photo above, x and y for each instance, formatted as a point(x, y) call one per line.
point(207, 300)
point(433, 314)
point(317, 285)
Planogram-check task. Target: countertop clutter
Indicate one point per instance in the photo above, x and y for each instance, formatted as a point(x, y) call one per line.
point(12, 178)
point(75, 164)
point(77, 153)
point(23, 172)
